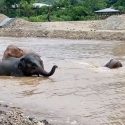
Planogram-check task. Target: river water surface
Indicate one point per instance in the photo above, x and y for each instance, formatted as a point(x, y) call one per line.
point(81, 92)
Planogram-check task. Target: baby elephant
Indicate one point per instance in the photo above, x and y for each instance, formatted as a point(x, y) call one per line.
point(18, 62)
point(28, 65)
point(113, 63)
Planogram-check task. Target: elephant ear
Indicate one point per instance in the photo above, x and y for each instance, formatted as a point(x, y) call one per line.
point(22, 63)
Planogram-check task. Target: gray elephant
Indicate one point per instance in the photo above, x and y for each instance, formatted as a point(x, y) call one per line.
point(28, 65)
point(113, 63)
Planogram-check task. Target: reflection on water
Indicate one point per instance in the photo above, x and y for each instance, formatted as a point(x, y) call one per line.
point(81, 91)
point(30, 92)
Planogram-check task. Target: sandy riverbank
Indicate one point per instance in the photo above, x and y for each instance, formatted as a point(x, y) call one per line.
point(112, 28)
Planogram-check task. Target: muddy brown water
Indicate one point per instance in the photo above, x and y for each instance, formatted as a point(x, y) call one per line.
point(81, 92)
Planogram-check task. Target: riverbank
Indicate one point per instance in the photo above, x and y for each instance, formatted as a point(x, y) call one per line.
point(14, 116)
point(112, 28)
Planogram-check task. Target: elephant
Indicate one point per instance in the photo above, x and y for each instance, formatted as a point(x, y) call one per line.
point(13, 51)
point(28, 65)
point(113, 63)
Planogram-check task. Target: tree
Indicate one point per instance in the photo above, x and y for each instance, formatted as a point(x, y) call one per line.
point(26, 7)
point(9, 3)
point(120, 4)
point(111, 2)
point(73, 2)
point(94, 5)
point(77, 12)
point(2, 4)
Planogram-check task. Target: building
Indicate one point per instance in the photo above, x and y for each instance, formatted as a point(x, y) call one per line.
point(35, 5)
point(40, 5)
point(107, 12)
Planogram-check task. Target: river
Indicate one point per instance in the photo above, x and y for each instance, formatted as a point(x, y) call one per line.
point(81, 91)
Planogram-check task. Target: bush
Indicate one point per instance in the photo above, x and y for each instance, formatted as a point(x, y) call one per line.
point(40, 18)
point(61, 18)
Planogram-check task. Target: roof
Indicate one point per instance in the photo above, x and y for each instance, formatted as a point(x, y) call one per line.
point(39, 5)
point(106, 10)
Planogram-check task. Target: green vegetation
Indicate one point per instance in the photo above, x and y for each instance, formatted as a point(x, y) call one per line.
point(120, 4)
point(61, 10)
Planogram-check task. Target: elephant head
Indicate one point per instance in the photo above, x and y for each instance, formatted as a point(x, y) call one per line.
point(31, 64)
point(113, 63)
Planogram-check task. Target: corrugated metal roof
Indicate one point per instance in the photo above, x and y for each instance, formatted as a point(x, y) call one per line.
point(106, 10)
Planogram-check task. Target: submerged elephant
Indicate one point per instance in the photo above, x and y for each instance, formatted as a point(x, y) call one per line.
point(13, 51)
point(113, 63)
point(27, 65)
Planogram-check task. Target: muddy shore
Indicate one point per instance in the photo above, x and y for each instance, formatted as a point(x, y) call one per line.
point(112, 28)
point(14, 116)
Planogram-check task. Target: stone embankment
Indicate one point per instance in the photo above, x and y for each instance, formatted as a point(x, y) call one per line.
point(112, 28)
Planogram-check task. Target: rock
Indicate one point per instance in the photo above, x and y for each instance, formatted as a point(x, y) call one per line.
point(14, 116)
point(44, 122)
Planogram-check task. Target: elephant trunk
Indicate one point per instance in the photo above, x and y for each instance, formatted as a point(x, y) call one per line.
point(47, 74)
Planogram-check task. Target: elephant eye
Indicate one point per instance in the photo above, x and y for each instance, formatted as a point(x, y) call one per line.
point(34, 65)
